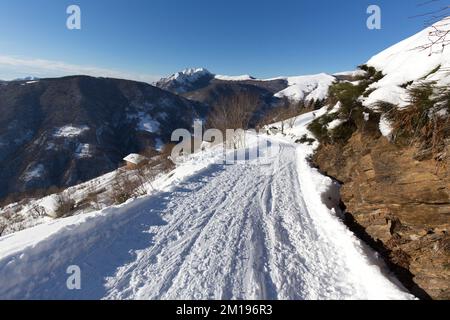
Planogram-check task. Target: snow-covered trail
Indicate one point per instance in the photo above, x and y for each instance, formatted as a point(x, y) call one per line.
point(242, 231)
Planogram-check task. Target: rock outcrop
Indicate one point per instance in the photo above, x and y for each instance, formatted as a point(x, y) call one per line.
point(399, 205)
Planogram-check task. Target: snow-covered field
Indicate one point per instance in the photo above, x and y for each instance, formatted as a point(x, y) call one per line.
point(214, 231)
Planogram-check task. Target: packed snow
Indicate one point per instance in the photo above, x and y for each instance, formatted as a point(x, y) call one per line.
point(70, 131)
point(213, 231)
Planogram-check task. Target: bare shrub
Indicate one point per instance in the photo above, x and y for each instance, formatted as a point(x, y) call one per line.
point(286, 114)
point(123, 188)
point(92, 200)
point(438, 18)
point(421, 122)
point(65, 205)
point(233, 113)
point(37, 211)
point(166, 160)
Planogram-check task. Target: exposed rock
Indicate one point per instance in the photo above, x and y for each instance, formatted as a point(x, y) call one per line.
point(400, 205)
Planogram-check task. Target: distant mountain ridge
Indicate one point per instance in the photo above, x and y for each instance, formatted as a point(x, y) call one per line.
point(201, 85)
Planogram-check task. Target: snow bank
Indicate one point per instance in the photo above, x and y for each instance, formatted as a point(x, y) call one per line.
point(389, 93)
point(31, 253)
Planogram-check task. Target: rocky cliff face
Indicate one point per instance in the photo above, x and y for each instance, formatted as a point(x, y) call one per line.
point(398, 205)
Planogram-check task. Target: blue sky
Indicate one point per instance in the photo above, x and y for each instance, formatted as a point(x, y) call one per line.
point(145, 39)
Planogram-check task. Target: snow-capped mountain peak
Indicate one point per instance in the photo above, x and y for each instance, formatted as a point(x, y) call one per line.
point(186, 80)
point(189, 74)
point(244, 77)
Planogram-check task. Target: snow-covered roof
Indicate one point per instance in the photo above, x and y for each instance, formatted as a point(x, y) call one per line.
point(135, 158)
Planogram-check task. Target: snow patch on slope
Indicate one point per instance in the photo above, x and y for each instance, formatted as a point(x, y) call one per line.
point(352, 74)
point(33, 172)
point(83, 151)
point(234, 78)
point(148, 124)
point(70, 131)
point(313, 87)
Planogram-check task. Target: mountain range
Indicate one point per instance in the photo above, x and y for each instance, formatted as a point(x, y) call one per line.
point(62, 131)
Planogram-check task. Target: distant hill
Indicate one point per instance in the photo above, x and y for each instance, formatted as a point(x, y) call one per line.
point(59, 132)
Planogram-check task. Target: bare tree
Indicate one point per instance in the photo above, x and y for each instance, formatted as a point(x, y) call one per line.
point(437, 18)
point(233, 113)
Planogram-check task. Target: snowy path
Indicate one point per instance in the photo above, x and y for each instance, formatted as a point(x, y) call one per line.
point(240, 231)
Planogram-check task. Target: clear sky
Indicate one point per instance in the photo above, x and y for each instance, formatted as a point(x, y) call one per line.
point(145, 39)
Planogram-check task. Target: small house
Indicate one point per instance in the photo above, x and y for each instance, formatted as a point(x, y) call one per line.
point(135, 161)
